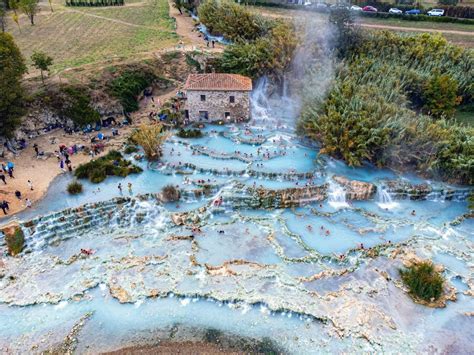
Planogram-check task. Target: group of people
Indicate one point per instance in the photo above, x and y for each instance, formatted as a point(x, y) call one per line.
point(7, 169)
point(63, 156)
point(129, 185)
point(209, 42)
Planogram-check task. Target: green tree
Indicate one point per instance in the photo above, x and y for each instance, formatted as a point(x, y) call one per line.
point(2, 17)
point(29, 8)
point(12, 67)
point(13, 4)
point(440, 96)
point(346, 35)
point(41, 61)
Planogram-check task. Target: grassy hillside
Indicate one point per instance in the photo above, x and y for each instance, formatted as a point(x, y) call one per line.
point(74, 36)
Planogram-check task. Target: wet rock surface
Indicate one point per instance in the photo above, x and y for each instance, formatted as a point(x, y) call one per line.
point(258, 245)
point(356, 190)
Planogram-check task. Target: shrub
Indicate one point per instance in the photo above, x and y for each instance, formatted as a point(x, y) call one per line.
point(267, 55)
point(423, 281)
point(440, 96)
point(111, 164)
point(150, 138)
point(189, 133)
point(76, 105)
point(170, 193)
point(129, 149)
point(74, 187)
point(231, 20)
point(15, 240)
point(128, 86)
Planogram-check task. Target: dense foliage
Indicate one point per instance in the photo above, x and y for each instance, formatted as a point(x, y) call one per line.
point(423, 281)
point(12, 68)
point(260, 46)
point(372, 111)
point(128, 86)
point(189, 133)
point(77, 106)
point(231, 20)
point(74, 187)
point(111, 164)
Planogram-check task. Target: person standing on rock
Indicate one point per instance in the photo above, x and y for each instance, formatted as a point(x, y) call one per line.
point(30, 185)
point(119, 186)
point(2, 177)
point(18, 194)
point(28, 203)
point(35, 146)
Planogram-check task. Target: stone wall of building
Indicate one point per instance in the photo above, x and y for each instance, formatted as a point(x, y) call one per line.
point(217, 103)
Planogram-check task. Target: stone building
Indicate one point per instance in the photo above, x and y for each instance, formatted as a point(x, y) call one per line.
point(212, 97)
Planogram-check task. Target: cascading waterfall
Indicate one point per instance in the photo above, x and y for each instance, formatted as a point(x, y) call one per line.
point(270, 109)
point(384, 200)
point(337, 196)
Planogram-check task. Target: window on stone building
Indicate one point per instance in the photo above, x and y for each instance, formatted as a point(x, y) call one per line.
point(203, 115)
point(232, 99)
point(203, 97)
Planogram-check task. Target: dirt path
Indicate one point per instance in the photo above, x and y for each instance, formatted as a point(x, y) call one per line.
point(415, 29)
point(187, 32)
point(293, 13)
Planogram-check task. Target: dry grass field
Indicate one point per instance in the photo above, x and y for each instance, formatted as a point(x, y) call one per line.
point(75, 36)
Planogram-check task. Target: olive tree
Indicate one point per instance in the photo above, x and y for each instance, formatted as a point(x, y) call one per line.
point(29, 8)
point(41, 61)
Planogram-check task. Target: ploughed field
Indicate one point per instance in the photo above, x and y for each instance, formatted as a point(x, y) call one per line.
point(264, 243)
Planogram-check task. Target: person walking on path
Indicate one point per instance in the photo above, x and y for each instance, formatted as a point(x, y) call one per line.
point(30, 185)
point(35, 146)
point(4, 207)
point(2, 177)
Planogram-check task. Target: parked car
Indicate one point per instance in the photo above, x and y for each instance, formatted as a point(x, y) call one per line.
point(356, 8)
point(395, 11)
point(436, 12)
point(369, 9)
point(413, 12)
point(339, 6)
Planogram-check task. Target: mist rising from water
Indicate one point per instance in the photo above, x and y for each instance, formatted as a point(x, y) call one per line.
point(309, 77)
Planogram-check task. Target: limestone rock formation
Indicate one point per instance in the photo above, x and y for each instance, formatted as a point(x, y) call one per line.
point(356, 190)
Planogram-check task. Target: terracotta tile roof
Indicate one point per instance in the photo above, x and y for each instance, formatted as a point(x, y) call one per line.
point(218, 82)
